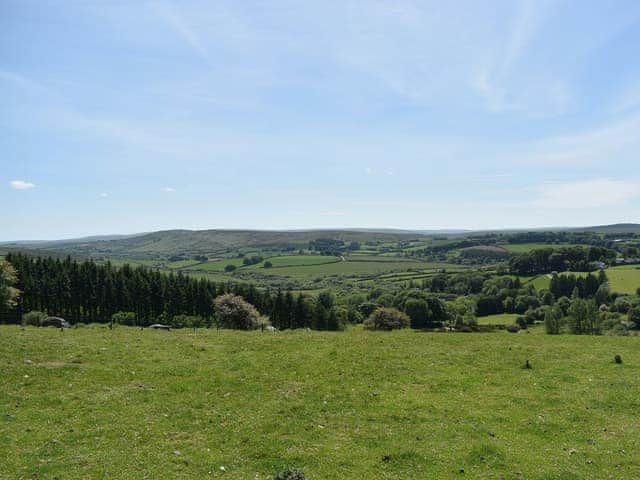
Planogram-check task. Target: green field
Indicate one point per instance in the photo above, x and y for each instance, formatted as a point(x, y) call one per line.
point(500, 319)
point(350, 267)
point(126, 404)
point(527, 247)
point(622, 279)
point(296, 261)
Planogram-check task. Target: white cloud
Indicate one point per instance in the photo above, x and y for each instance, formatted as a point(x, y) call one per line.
point(21, 185)
point(169, 189)
point(597, 192)
point(104, 195)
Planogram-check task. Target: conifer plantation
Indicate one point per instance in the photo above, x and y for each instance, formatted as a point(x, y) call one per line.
point(87, 292)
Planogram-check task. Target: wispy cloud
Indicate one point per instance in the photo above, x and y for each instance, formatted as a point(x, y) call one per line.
point(103, 195)
point(491, 81)
point(21, 185)
point(597, 192)
point(168, 189)
point(600, 144)
point(180, 26)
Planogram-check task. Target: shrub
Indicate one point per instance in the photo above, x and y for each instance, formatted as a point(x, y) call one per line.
point(232, 311)
point(229, 268)
point(367, 308)
point(187, 321)
point(268, 264)
point(124, 318)
point(622, 304)
point(386, 319)
point(290, 474)
point(634, 316)
point(34, 318)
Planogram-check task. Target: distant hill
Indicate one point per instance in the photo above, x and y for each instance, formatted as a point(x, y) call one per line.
point(614, 228)
point(207, 242)
point(227, 242)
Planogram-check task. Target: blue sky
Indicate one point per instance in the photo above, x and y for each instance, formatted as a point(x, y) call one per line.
point(122, 116)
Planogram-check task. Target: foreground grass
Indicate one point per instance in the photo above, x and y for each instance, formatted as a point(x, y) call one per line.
point(94, 403)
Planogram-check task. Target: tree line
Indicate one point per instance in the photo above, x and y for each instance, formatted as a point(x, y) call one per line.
point(84, 291)
point(547, 260)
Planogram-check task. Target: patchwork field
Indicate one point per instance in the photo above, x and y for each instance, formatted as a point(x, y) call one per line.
point(128, 404)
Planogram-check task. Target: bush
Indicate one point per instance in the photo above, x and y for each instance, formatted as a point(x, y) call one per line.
point(268, 264)
point(367, 308)
point(232, 311)
point(187, 321)
point(290, 474)
point(124, 318)
point(229, 268)
point(386, 319)
point(622, 304)
point(634, 316)
point(34, 318)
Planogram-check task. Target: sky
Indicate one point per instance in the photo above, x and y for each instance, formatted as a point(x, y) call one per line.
point(130, 116)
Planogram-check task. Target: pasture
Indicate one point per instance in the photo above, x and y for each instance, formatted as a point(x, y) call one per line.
point(124, 404)
point(622, 279)
point(499, 319)
point(527, 247)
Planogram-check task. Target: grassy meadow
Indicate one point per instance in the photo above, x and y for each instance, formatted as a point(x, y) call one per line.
point(622, 279)
point(130, 404)
point(499, 319)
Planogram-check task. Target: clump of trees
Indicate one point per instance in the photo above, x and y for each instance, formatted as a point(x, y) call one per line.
point(385, 318)
point(252, 260)
point(547, 260)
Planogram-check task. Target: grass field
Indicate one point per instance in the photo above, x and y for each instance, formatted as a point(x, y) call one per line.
point(351, 267)
point(296, 261)
point(500, 319)
point(622, 279)
point(527, 247)
point(126, 404)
